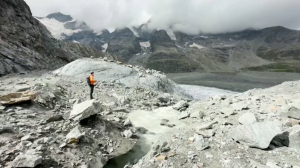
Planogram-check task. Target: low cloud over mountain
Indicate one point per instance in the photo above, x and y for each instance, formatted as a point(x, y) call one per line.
point(189, 16)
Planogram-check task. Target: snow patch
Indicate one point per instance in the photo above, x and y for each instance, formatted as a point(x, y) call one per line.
point(204, 37)
point(57, 28)
point(98, 33)
point(178, 46)
point(136, 34)
point(145, 44)
point(74, 41)
point(171, 34)
point(196, 45)
point(105, 47)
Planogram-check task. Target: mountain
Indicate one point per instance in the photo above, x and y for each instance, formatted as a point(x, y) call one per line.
point(270, 49)
point(26, 44)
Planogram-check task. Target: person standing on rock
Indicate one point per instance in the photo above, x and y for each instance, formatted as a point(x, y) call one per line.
point(92, 83)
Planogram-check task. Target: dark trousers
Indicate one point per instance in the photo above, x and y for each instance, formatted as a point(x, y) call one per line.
point(92, 90)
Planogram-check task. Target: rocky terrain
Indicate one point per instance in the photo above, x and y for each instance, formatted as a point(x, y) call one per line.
point(139, 118)
point(47, 120)
point(258, 128)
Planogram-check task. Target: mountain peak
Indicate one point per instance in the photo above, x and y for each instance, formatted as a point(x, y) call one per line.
point(60, 17)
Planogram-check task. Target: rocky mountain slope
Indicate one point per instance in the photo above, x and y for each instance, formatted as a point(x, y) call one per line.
point(26, 44)
point(271, 49)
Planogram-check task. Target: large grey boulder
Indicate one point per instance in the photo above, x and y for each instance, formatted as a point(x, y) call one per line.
point(128, 133)
point(50, 95)
point(181, 105)
point(294, 113)
point(6, 128)
point(247, 118)
point(74, 133)
point(85, 109)
point(294, 137)
point(258, 134)
point(26, 160)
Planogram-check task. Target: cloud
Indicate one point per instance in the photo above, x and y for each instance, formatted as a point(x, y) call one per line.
point(190, 16)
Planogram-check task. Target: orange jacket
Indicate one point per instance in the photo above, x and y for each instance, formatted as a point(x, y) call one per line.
point(92, 80)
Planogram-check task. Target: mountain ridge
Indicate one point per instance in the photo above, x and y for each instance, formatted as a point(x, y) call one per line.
point(245, 50)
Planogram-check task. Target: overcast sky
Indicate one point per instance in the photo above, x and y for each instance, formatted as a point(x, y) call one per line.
point(190, 16)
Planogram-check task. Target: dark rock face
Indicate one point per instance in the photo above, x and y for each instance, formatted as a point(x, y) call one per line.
point(88, 38)
point(144, 32)
point(160, 39)
point(166, 57)
point(26, 44)
point(76, 25)
point(60, 17)
point(123, 45)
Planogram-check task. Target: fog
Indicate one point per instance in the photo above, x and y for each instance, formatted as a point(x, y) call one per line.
point(189, 16)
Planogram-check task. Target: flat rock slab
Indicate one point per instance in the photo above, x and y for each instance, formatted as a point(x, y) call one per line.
point(184, 115)
point(258, 134)
point(206, 126)
point(294, 137)
point(85, 109)
point(26, 160)
point(75, 133)
point(247, 118)
point(53, 118)
point(6, 128)
point(18, 97)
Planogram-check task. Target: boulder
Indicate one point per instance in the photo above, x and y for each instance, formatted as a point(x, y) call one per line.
point(50, 95)
point(128, 133)
point(184, 115)
point(206, 126)
point(181, 105)
point(26, 160)
point(85, 109)
point(127, 122)
point(5, 129)
point(164, 98)
point(53, 118)
point(294, 113)
point(164, 122)
point(247, 118)
point(197, 110)
point(2, 108)
point(294, 137)
point(74, 135)
point(18, 97)
point(259, 134)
